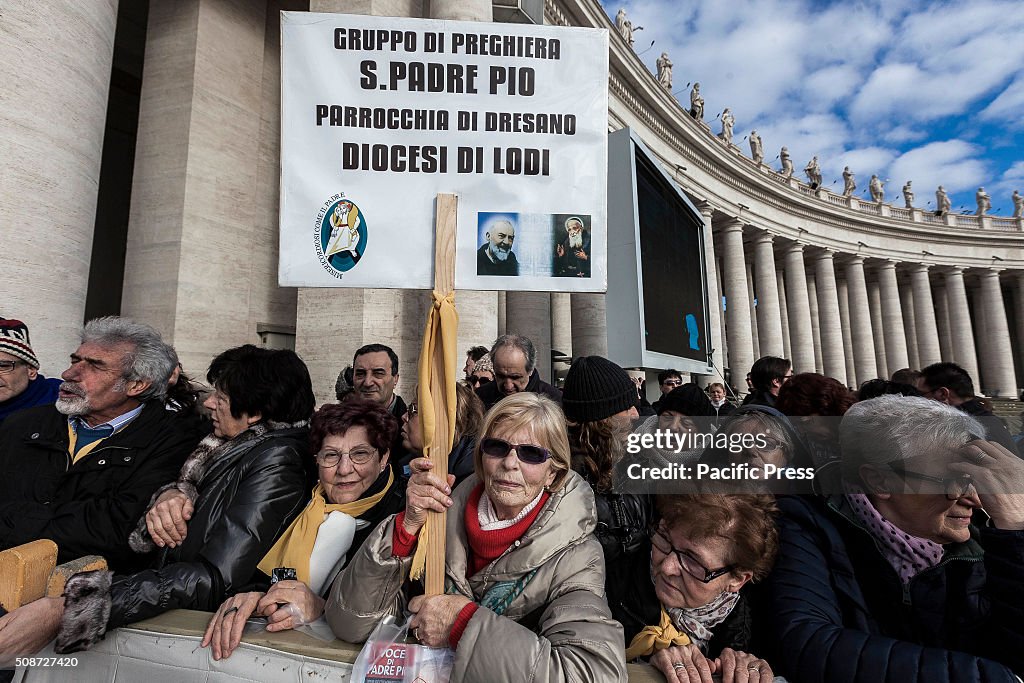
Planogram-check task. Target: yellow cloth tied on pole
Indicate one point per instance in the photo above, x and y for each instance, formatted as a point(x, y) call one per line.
point(296, 543)
point(654, 638)
point(437, 377)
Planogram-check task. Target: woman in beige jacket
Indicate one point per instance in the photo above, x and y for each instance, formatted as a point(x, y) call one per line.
point(525, 575)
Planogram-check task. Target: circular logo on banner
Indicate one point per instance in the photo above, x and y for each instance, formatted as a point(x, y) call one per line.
point(340, 235)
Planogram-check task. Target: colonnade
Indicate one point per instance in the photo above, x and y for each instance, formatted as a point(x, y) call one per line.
point(856, 317)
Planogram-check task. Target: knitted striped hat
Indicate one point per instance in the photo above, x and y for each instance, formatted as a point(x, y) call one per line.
point(14, 340)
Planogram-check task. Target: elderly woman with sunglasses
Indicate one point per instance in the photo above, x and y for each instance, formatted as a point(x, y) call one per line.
point(683, 607)
point(356, 490)
point(525, 573)
point(915, 573)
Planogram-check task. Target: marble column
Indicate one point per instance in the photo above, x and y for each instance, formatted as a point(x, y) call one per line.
point(892, 319)
point(833, 357)
point(461, 10)
point(737, 302)
point(844, 320)
point(589, 328)
point(924, 317)
point(799, 307)
point(1004, 381)
point(860, 321)
point(769, 317)
point(714, 297)
point(984, 382)
point(478, 318)
point(787, 347)
point(754, 332)
point(55, 61)
point(529, 314)
point(722, 354)
point(909, 324)
point(812, 300)
point(561, 322)
point(964, 353)
point(875, 304)
point(942, 321)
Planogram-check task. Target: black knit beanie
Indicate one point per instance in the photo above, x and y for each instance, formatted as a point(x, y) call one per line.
point(596, 388)
point(689, 400)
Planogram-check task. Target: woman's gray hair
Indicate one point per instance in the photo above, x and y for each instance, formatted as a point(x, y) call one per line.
point(894, 428)
point(150, 360)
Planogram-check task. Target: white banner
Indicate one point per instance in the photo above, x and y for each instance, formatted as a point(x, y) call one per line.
point(380, 114)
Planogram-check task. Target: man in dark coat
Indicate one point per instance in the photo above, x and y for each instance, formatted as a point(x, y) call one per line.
point(515, 360)
point(950, 384)
point(375, 376)
point(81, 472)
point(495, 256)
point(767, 375)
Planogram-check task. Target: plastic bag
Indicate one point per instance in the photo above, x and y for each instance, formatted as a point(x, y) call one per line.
point(318, 628)
point(387, 658)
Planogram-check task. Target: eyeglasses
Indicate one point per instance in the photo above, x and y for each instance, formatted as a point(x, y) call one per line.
point(955, 488)
point(479, 381)
point(7, 366)
point(358, 456)
point(412, 409)
point(673, 383)
point(526, 452)
point(690, 564)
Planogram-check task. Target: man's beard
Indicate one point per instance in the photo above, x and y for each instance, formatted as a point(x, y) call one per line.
point(499, 252)
point(576, 242)
point(79, 405)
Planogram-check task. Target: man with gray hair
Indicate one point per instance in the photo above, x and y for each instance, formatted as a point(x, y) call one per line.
point(515, 360)
point(81, 472)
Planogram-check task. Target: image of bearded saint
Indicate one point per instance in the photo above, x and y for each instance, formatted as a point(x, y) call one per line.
point(345, 222)
point(572, 255)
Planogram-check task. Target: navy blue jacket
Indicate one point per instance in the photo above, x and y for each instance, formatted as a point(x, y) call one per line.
point(837, 611)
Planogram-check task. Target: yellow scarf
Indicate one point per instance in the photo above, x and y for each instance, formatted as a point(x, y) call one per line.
point(654, 638)
point(296, 543)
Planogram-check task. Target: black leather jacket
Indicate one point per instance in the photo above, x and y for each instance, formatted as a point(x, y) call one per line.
point(247, 499)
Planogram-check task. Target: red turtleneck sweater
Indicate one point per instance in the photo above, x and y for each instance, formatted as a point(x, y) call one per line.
point(484, 547)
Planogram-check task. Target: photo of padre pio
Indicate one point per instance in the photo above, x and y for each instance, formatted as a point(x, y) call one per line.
point(495, 255)
point(572, 247)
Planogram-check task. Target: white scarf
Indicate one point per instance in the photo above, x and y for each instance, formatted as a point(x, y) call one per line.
point(488, 516)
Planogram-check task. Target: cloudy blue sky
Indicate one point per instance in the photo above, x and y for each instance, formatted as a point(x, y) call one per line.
point(929, 92)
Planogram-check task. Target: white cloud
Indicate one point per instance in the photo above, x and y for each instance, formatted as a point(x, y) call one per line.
point(1008, 107)
point(951, 163)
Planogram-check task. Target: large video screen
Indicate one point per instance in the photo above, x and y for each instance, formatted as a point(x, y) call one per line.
point(674, 303)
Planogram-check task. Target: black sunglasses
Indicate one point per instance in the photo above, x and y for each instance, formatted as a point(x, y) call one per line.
point(473, 379)
point(526, 452)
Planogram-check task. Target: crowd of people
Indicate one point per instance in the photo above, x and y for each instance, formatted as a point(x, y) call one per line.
point(888, 545)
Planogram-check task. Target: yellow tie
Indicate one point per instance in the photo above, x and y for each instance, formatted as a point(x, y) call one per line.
point(654, 638)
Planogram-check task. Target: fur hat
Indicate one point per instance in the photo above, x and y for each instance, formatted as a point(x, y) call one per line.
point(14, 340)
point(596, 388)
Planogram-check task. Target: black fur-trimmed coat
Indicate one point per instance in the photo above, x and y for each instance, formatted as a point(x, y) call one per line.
point(247, 498)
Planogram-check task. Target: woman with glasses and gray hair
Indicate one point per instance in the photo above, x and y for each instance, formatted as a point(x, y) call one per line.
point(915, 572)
point(525, 575)
point(683, 605)
point(356, 489)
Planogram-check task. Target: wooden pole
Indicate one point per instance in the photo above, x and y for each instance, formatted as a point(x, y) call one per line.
point(444, 284)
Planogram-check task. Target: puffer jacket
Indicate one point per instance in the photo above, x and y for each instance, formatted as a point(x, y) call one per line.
point(247, 498)
point(837, 611)
point(558, 629)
